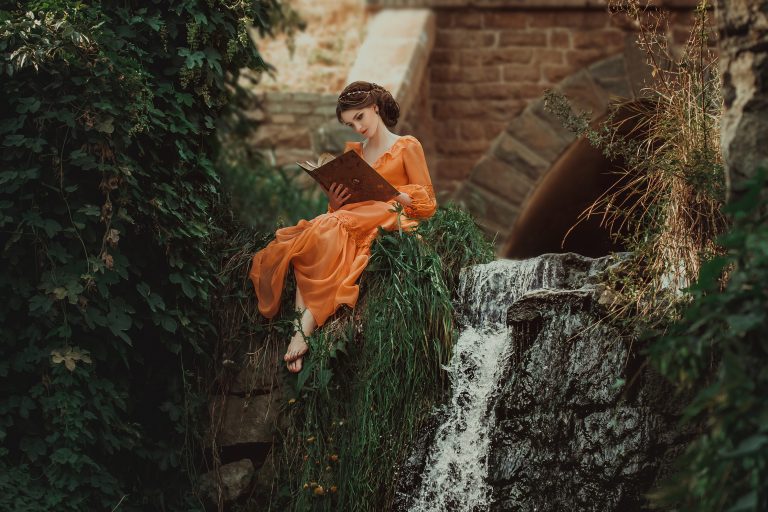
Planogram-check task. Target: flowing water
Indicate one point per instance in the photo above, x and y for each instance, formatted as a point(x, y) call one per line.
point(456, 467)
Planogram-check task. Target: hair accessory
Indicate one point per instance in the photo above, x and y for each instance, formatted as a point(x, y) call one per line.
point(357, 95)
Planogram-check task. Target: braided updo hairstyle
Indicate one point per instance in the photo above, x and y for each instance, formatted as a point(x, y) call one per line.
point(359, 95)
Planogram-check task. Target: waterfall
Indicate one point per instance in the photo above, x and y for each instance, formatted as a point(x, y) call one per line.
point(454, 478)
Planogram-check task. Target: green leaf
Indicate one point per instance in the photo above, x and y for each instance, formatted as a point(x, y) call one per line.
point(746, 503)
point(105, 125)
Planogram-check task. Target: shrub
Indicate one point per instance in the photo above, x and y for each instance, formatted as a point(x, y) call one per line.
point(110, 211)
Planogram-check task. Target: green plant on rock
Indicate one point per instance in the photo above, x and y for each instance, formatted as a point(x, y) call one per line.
point(719, 349)
point(372, 374)
point(110, 219)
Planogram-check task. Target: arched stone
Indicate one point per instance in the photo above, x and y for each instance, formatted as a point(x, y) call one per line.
point(501, 185)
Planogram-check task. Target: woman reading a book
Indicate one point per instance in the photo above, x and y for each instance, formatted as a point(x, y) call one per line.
point(330, 252)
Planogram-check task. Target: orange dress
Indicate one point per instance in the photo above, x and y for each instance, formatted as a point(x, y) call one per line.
point(329, 252)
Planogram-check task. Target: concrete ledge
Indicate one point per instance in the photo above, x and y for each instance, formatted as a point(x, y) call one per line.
point(395, 53)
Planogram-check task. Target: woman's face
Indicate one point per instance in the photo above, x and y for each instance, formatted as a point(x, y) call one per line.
point(364, 121)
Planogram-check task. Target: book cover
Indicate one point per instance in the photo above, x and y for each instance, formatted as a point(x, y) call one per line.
point(362, 180)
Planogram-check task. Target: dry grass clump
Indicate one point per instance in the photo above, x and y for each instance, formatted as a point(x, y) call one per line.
point(666, 204)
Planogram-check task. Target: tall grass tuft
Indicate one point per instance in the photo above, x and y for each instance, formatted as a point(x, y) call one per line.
point(373, 374)
point(666, 204)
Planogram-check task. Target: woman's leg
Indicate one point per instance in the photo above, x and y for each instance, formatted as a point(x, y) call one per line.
point(298, 346)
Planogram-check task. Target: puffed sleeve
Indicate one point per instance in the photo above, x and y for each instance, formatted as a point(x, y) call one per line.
point(419, 183)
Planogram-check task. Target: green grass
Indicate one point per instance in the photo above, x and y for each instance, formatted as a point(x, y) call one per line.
point(373, 374)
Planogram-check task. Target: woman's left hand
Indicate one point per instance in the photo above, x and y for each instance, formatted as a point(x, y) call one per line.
point(404, 199)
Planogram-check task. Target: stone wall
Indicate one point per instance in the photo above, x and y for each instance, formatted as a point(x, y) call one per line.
point(288, 123)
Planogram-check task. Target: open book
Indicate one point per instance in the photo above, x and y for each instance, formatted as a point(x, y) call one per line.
point(362, 180)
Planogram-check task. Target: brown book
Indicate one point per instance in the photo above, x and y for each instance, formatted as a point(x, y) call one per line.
point(362, 180)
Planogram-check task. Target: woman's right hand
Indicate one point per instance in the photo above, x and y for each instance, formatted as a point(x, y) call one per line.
point(337, 194)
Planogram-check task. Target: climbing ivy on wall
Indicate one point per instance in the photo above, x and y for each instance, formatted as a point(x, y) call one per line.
point(109, 215)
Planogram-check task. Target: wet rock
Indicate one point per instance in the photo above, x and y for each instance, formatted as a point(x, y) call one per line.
point(236, 478)
point(568, 434)
point(573, 419)
point(248, 420)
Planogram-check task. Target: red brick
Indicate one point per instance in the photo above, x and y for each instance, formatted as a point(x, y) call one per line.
point(467, 19)
point(452, 91)
point(582, 58)
point(473, 74)
point(444, 57)
point(508, 19)
point(546, 56)
point(529, 91)
point(501, 110)
point(516, 38)
point(559, 39)
point(446, 131)
point(496, 56)
point(454, 168)
point(498, 91)
point(517, 73)
point(454, 110)
point(460, 38)
point(461, 146)
point(602, 39)
point(569, 19)
point(554, 73)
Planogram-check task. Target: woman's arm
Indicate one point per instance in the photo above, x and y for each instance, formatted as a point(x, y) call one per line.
point(419, 189)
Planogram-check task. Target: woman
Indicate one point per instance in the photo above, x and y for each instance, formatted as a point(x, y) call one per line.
point(329, 252)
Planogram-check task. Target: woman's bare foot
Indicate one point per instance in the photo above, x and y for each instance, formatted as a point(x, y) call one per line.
point(295, 352)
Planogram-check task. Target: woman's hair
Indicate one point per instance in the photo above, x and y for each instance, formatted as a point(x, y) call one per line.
point(359, 95)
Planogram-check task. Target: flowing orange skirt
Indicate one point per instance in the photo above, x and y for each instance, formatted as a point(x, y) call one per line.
point(328, 255)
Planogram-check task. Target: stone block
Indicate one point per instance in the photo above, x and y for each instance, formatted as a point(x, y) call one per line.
point(520, 157)
point(507, 181)
point(487, 207)
point(550, 119)
point(584, 94)
point(465, 39)
point(247, 420)
point(461, 146)
point(553, 74)
point(236, 479)
point(582, 58)
point(547, 141)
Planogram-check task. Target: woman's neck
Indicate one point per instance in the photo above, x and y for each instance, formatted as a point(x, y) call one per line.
point(382, 139)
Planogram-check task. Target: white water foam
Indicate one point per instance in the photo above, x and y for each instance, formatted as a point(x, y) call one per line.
point(454, 478)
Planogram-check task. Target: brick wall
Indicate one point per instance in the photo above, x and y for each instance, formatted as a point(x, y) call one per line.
point(488, 64)
point(288, 121)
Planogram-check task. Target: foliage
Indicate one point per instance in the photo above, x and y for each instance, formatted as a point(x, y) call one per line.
point(665, 205)
point(371, 375)
point(720, 348)
point(110, 210)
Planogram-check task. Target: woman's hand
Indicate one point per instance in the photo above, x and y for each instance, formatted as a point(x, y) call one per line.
point(404, 199)
point(337, 194)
